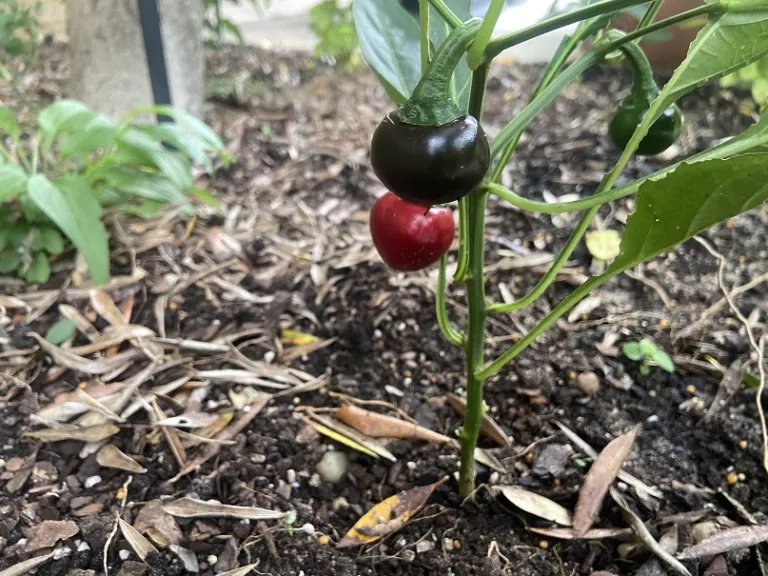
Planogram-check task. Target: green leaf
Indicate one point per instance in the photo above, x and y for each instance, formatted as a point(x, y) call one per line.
point(72, 205)
point(751, 380)
point(389, 40)
point(13, 181)
point(173, 164)
point(61, 331)
point(193, 147)
point(63, 116)
point(151, 187)
point(644, 369)
point(48, 239)
point(728, 42)
point(189, 124)
point(39, 270)
point(632, 351)
point(689, 200)
point(647, 347)
point(8, 122)
point(662, 360)
point(9, 261)
point(146, 209)
point(233, 29)
point(205, 196)
point(100, 132)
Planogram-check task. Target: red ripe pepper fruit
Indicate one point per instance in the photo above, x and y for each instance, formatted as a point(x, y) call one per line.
point(410, 236)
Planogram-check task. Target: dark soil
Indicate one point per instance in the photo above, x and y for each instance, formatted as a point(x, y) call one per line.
point(300, 131)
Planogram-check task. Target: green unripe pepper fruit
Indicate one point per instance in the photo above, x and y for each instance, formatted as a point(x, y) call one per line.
point(429, 151)
point(662, 133)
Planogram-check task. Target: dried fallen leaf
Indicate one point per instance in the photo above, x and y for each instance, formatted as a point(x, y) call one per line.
point(645, 536)
point(570, 533)
point(601, 475)
point(239, 377)
point(227, 434)
point(242, 571)
point(726, 541)
point(192, 508)
point(88, 434)
point(189, 420)
point(140, 545)
point(24, 568)
point(537, 505)
point(160, 526)
point(110, 456)
point(48, 532)
point(641, 488)
point(388, 516)
point(97, 406)
point(381, 426)
point(75, 362)
point(295, 338)
point(188, 558)
point(349, 436)
point(489, 428)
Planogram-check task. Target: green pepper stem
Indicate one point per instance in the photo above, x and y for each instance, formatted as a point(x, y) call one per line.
point(605, 185)
point(431, 103)
point(554, 269)
point(462, 260)
point(449, 332)
point(475, 342)
point(650, 14)
point(446, 13)
point(475, 56)
point(424, 29)
point(644, 88)
point(497, 46)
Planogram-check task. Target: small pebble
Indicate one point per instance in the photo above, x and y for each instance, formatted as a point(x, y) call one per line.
point(92, 481)
point(315, 480)
point(339, 503)
point(447, 544)
point(290, 476)
point(408, 555)
point(732, 478)
point(543, 544)
point(323, 540)
point(588, 383)
point(424, 546)
point(124, 554)
point(333, 467)
point(691, 389)
point(742, 445)
point(212, 559)
point(307, 529)
point(411, 466)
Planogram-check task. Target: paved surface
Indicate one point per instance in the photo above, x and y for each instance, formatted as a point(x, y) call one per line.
point(286, 25)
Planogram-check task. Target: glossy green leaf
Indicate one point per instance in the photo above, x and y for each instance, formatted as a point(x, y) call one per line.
point(632, 351)
point(172, 134)
point(174, 165)
point(72, 205)
point(728, 42)
point(662, 360)
point(39, 270)
point(689, 200)
point(189, 124)
point(99, 133)
point(8, 122)
point(60, 332)
point(389, 40)
point(13, 181)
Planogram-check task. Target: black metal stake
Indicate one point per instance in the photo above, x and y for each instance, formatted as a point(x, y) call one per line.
point(149, 17)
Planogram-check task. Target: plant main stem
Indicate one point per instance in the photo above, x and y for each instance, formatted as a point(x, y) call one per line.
point(475, 343)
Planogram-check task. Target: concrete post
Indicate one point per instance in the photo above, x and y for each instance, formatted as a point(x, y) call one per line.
point(109, 70)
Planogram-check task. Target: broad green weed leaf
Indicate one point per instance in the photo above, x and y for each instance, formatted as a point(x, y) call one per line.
point(192, 146)
point(39, 270)
point(663, 361)
point(173, 164)
point(150, 187)
point(632, 351)
point(48, 239)
point(8, 122)
point(191, 125)
point(205, 196)
point(13, 181)
point(9, 261)
point(389, 40)
point(61, 331)
point(689, 200)
point(72, 205)
point(100, 132)
point(63, 116)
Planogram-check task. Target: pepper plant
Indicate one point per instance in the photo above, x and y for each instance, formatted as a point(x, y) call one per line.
point(432, 149)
